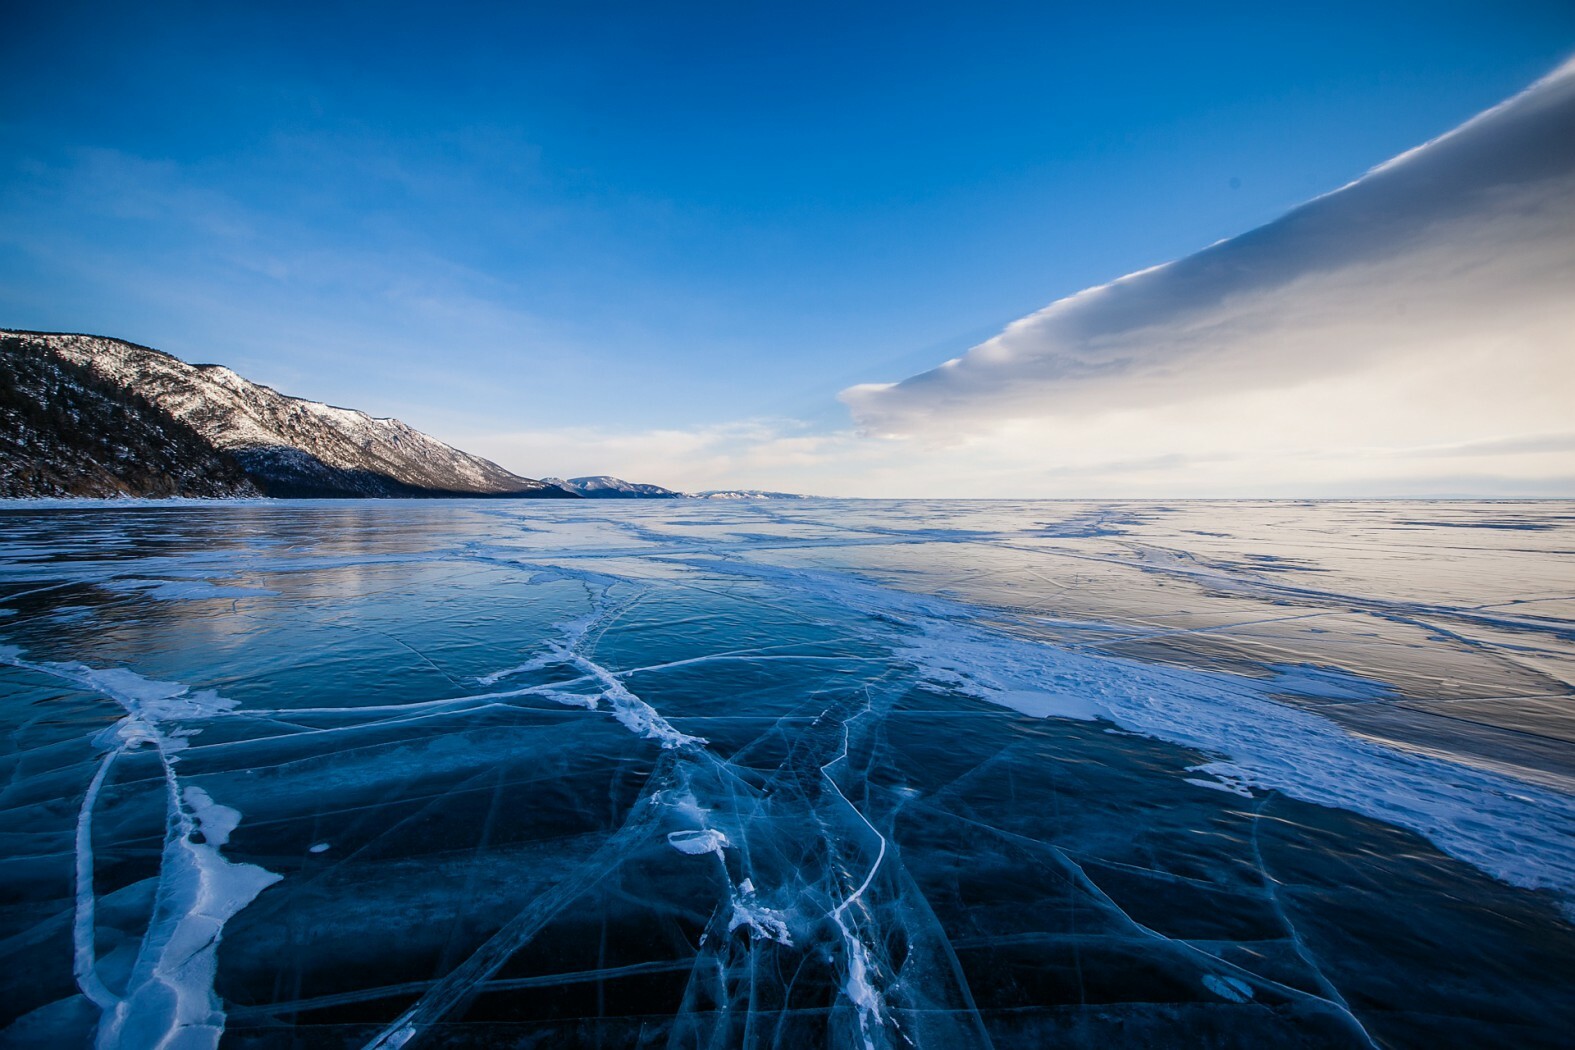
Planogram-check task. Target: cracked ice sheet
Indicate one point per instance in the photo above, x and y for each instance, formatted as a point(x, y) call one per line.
point(619, 774)
point(168, 998)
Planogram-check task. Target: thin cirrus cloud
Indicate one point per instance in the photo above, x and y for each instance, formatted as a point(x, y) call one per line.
point(1427, 306)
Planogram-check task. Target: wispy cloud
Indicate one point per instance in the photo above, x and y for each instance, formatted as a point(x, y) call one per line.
point(1426, 304)
point(746, 454)
point(1408, 333)
point(362, 312)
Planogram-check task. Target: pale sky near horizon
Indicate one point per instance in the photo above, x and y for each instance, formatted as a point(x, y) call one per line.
point(660, 241)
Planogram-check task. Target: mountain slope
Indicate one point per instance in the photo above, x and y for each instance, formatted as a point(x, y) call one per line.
point(66, 432)
point(281, 445)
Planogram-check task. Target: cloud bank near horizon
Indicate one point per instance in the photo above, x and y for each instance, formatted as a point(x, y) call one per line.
point(1417, 325)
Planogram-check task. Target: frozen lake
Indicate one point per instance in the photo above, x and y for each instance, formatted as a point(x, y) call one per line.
point(791, 773)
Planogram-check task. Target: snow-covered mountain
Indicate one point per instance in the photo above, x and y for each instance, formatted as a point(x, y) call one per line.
point(604, 486)
point(254, 438)
point(66, 432)
point(747, 494)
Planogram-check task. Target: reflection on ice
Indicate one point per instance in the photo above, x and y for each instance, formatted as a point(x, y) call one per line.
point(864, 775)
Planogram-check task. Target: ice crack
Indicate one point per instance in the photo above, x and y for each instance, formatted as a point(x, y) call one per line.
point(169, 999)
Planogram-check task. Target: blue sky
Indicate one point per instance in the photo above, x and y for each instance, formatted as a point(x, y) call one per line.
point(608, 222)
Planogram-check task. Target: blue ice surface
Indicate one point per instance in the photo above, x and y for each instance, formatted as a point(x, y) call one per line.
point(809, 773)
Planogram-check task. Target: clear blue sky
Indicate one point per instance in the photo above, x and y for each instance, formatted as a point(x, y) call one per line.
point(484, 217)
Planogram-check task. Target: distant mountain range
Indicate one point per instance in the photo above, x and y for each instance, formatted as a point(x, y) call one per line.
point(604, 486)
point(84, 415)
point(747, 494)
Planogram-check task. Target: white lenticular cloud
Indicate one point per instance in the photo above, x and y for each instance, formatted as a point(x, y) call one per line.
point(1428, 305)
